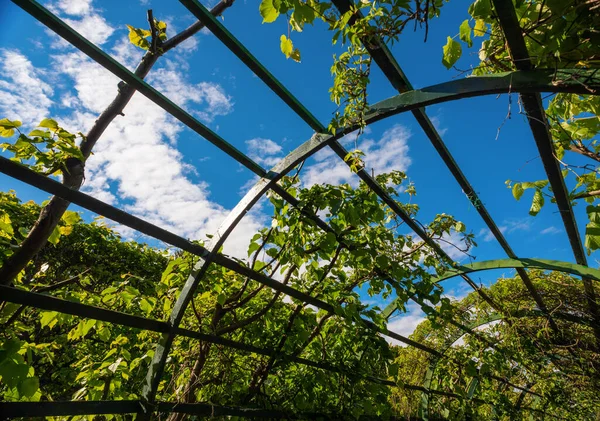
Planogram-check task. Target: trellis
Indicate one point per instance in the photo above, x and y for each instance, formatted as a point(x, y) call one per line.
point(526, 81)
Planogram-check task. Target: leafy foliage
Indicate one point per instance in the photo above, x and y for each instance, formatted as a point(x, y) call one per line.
point(85, 359)
point(362, 24)
point(139, 37)
point(558, 35)
point(46, 149)
point(521, 350)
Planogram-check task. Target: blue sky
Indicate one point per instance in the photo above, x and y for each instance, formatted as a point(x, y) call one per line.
point(152, 166)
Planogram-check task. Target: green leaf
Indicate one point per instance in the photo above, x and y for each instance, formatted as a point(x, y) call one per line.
point(252, 248)
point(138, 36)
point(537, 203)
point(55, 236)
point(41, 133)
point(7, 127)
point(481, 9)
point(9, 348)
point(268, 11)
point(286, 46)
point(47, 319)
point(146, 306)
point(592, 237)
point(471, 368)
point(6, 229)
point(593, 213)
point(452, 52)
point(13, 372)
point(29, 386)
point(517, 191)
point(295, 55)
point(49, 123)
point(465, 33)
point(480, 28)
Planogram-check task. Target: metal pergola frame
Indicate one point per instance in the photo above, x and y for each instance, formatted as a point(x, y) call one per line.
point(526, 81)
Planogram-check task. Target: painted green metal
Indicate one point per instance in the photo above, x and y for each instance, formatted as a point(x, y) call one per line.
point(386, 61)
point(44, 16)
point(201, 409)
point(217, 28)
point(491, 317)
point(520, 81)
point(411, 101)
point(304, 151)
point(538, 122)
point(523, 263)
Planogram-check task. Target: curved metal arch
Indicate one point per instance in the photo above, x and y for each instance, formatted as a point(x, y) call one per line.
point(314, 144)
point(381, 111)
point(491, 317)
point(384, 109)
point(244, 207)
point(524, 263)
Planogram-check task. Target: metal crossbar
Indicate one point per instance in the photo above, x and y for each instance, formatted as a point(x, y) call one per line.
point(538, 122)
point(391, 69)
point(525, 80)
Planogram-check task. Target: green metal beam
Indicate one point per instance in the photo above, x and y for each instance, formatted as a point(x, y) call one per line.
point(49, 303)
point(523, 81)
point(200, 409)
point(44, 16)
point(390, 67)
point(523, 263)
point(538, 122)
point(236, 47)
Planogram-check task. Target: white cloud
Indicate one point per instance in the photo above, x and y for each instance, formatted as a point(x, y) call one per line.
point(126, 53)
point(93, 27)
point(387, 154)
point(437, 123)
point(487, 234)
point(551, 230)
point(75, 7)
point(264, 151)
point(23, 94)
point(509, 226)
point(405, 324)
point(83, 18)
point(136, 164)
point(514, 225)
point(171, 82)
point(452, 244)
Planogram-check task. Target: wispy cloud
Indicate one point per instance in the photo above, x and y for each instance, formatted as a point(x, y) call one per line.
point(85, 19)
point(75, 7)
point(388, 153)
point(406, 324)
point(24, 95)
point(136, 164)
point(264, 151)
point(508, 226)
point(551, 230)
point(437, 123)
